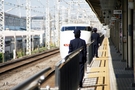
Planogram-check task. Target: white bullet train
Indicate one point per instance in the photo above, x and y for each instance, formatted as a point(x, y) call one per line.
point(66, 34)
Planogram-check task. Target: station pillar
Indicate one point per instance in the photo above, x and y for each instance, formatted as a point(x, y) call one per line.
point(134, 42)
point(130, 36)
point(117, 39)
point(124, 29)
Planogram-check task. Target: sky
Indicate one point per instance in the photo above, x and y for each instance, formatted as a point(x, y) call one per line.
point(39, 6)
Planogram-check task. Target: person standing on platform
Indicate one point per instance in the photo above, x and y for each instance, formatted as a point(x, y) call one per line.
point(75, 44)
point(96, 38)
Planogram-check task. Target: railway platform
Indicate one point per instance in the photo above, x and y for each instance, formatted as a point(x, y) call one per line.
point(108, 71)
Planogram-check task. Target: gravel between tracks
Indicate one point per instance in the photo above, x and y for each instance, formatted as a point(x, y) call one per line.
point(14, 77)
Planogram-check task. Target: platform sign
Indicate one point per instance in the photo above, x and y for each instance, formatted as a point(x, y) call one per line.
point(117, 11)
point(113, 18)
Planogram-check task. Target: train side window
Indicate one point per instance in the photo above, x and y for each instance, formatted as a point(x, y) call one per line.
point(84, 28)
point(70, 28)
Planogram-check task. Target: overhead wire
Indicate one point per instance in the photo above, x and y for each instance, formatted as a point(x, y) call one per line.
point(21, 6)
point(81, 7)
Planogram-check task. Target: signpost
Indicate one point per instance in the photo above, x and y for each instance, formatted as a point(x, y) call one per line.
point(117, 11)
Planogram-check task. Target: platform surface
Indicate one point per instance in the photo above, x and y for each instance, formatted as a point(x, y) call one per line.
point(108, 71)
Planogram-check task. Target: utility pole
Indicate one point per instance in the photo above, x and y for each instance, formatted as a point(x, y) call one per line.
point(2, 37)
point(69, 13)
point(63, 14)
point(57, 24)
point(28, 27)
point(47, 26)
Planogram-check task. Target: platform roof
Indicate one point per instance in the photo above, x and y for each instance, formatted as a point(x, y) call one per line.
point(104, 8)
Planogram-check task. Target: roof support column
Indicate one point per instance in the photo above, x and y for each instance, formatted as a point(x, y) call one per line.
point(117, 34)
point(124, 30)
point(134, 43)
point(130, 38)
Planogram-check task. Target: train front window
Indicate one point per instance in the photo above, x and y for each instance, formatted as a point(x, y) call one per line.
point(70, 28)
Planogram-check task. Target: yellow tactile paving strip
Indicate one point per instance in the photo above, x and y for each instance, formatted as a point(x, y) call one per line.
point(101, 70)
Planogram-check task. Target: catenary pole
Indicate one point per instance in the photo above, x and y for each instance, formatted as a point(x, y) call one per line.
point(28, 27)
point(2, 37)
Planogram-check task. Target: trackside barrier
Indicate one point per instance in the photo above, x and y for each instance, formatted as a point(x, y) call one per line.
point(29, 84)
point(89, 52)
point(101, 38)
point(67, 71)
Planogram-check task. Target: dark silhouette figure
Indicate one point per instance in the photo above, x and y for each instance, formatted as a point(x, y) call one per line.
point(96, 38)
point(75, 44)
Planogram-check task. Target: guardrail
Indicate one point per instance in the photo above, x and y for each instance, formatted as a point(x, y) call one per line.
point(101, 38)
point(33, 82)
point(89, 52)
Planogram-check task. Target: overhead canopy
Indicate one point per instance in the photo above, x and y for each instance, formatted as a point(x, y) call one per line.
point(104, 8)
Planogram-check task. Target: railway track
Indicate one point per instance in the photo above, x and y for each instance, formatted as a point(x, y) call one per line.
point(4, 67)
point(15, 72)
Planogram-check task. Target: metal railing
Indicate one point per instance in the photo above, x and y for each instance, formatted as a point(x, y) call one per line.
point(33, 82)
point(89, 52)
